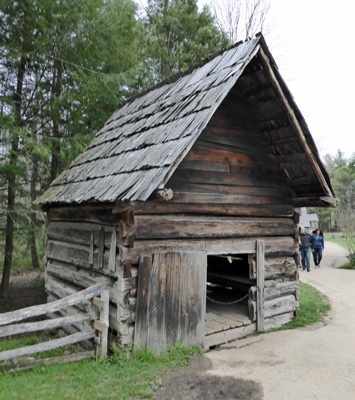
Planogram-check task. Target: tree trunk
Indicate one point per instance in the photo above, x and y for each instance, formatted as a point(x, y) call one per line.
point(33, 244)
point(56, 92)
point(11, 195)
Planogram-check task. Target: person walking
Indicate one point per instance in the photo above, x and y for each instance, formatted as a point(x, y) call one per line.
point(318, 247)
point(306, 244)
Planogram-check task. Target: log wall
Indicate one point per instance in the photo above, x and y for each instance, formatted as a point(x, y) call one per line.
point(82, 248)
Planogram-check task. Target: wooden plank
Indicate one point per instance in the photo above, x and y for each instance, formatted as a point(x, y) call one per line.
point(141, 329)
point(223, 189)
point(103, 324)
point(231, 179)
point(96, 301)
point(157, 334)
point(260, 273)
point(45, 346)
point(101, 249)
point(228, 336)
point(171, 226)
point(42, 309)
point(254, 210)
point(192, 308)
point(236, 199)
point(113, 249)
point(91, 249)
point(97, 214)
point(27, 327)
point(25, 365)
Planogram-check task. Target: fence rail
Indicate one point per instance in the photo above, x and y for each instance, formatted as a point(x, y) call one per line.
point(98, 331)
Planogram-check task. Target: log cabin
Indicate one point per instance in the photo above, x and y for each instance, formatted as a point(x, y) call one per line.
point(186, 206)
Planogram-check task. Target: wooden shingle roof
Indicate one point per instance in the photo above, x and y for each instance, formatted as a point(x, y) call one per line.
point(144, 141)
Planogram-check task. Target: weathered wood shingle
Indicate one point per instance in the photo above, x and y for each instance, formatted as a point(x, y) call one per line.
point(144, 139)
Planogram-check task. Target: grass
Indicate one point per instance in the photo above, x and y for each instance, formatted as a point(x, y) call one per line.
point(314, 307)
point(122, 376)
point(342, 242)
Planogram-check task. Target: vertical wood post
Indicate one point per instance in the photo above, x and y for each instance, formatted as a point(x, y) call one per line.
point(260, 274)
point(104, 319)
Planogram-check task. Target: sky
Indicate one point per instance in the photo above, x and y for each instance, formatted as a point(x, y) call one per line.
point(312, 44)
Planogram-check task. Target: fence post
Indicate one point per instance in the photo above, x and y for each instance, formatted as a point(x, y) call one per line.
point(104, 319)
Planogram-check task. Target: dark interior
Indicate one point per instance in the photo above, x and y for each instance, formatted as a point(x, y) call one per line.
point(228, 278)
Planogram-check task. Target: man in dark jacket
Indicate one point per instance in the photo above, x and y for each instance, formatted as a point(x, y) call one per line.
point(306, 244)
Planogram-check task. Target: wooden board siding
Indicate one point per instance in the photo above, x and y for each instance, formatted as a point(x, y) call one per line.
point(171, 300)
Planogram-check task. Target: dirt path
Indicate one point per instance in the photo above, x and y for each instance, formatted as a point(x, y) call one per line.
point(313, 363)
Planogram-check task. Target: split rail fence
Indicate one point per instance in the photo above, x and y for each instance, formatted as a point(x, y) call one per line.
point(97, 330)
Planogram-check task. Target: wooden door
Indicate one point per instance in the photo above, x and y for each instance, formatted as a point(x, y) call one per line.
point(171, 300)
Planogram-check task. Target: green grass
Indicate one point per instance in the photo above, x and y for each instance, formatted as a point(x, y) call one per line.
point(122, 376)
point(314, 307)
point(349, 265)
point(340, 241)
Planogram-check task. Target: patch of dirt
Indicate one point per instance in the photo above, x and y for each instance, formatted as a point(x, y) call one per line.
point(195, 383)
point(26, 290)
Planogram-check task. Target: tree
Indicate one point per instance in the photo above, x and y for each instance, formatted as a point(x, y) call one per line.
point(64, 68)
point(241, 19)
point(178, 35)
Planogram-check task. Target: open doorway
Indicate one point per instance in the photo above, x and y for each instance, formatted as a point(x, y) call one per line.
point(229, 279)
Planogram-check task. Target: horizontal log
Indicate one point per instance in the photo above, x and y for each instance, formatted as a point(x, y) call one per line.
point(98, 214)
point(81, 277)
point(42, 309)
point(173, 227)
point(78, 232)
point(36, 326)
point(213, 152)
point(276, 268)
point(234, 140)
point(45, 346)
point(227, 189)
point(256, 210)
point(222, 178)
point(274, 246)
point(278, 321)
point(25, 365)
point(278, 290)
point(230, 199)
point(273, 307)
